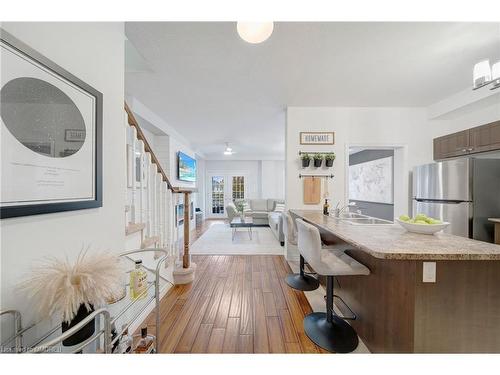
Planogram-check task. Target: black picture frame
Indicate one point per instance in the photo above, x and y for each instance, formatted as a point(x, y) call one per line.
point(47, 208)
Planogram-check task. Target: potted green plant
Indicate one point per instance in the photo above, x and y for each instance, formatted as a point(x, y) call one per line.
point(240, 206)
point(318, 160)
point(329, 158)
point(70, 291)
point(306, 160)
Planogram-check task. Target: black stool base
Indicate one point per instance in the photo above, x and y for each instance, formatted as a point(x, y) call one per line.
point(337, 336)
point(305, 283)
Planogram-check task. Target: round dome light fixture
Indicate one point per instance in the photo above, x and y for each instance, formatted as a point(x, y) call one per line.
point(255, 32)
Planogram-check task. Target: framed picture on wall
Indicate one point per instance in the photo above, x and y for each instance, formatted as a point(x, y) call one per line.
point(51, 135)
point(137, 164)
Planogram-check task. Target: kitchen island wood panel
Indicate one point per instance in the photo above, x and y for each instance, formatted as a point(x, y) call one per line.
point(383, 301)
point(396, 311)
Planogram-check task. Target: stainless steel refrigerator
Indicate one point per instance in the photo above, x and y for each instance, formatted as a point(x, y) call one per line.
point(464, 192)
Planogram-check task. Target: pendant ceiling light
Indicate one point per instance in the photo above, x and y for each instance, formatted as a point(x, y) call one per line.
point(495, 75)
point(481, 74)
point(255, 32)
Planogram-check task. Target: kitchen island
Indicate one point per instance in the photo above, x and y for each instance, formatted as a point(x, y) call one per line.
point(458, 310)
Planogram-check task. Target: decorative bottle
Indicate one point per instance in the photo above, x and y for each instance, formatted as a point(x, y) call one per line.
point(325, 207)
point(145, 344)
point(138, 281)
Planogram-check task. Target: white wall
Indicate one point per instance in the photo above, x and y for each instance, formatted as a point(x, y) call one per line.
point(355, 126)
point(264, 178)
point(465, 119)
point(407, 127)
point(251, 169)
point(273, 179)
point(200, 183)
point(73, 46)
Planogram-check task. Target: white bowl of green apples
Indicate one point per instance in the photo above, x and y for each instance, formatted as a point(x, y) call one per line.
point(421, 224)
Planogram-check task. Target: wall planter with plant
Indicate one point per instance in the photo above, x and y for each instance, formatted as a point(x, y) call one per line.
point(306, 160)
point(70, 291)
point(318, 160)
point(329, 158)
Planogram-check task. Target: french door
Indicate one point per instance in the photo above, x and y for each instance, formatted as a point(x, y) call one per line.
point(224, 188)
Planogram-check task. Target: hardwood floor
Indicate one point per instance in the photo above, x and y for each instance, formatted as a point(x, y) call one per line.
point(237, 304)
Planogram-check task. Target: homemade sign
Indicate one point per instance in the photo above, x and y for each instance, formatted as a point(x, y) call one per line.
point(317, 138)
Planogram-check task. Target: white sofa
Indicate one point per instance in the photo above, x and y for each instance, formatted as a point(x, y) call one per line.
point(262, 212)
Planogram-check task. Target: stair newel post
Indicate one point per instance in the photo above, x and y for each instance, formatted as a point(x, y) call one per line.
point(187, 204)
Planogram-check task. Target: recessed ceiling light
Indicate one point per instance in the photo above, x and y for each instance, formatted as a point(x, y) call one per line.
point(255, 32)
point(228, 150)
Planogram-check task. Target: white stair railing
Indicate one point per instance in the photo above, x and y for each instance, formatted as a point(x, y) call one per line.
point(149, 206)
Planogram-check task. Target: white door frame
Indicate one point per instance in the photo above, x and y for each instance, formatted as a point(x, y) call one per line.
point(401, 173)
point(228, 193)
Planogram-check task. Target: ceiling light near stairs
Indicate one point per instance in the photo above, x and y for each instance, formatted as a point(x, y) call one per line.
point(255, 32)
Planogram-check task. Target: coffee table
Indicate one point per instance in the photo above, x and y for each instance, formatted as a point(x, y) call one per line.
point(237, 222)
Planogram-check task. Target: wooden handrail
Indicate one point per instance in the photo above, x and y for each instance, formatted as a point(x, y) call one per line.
point(140, 135)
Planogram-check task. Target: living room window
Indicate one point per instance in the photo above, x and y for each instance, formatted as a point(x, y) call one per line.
point(217, 194)
point(238, 187)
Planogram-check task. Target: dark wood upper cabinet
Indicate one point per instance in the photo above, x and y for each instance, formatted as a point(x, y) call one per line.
point(485, 137)
point(479, 139)
point(451, 145)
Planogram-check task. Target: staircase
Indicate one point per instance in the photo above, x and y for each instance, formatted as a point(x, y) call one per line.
point(149, 208)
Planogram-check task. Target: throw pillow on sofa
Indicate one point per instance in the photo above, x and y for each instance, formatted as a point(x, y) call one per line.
point(280, 207)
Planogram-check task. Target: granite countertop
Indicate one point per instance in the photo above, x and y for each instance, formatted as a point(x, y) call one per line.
point(394, 242)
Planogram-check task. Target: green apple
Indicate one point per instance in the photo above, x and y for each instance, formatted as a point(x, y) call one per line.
point(404, 218)
point(434, 221)
point(421, 222)
point(421, 217)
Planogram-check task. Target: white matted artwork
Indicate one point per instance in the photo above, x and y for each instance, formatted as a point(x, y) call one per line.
point(372, 181)
point(50, 132)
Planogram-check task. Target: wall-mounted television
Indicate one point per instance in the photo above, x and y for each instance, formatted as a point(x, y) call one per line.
point(186, 167)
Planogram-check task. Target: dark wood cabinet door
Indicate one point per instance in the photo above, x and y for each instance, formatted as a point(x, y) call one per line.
point(480, 139)
point(495, 136)
point(451, 145)
point(460, 143)
point(485, 138)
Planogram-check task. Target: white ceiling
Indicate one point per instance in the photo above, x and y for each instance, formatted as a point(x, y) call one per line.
point(212, 87)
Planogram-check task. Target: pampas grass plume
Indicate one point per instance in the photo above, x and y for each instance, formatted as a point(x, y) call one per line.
point(60, 287)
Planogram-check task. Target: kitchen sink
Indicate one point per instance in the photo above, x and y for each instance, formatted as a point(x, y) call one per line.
point(350, 215)
point(368, 221)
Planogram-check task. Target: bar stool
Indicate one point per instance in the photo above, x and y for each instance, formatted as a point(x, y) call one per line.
point(300, 281)
point(328, 330)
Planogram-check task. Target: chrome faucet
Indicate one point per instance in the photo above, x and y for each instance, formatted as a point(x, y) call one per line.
point(338, 210)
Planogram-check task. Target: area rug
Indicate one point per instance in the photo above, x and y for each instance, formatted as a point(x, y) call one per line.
point(217, 240)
